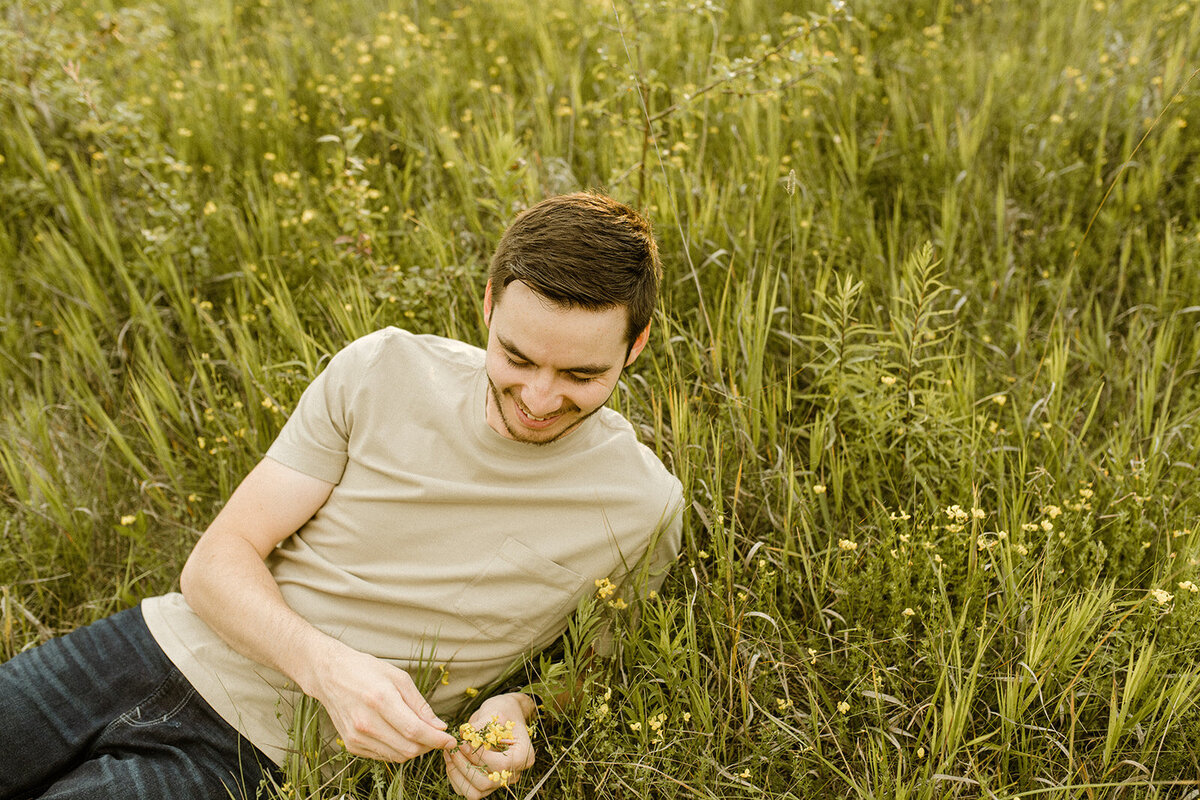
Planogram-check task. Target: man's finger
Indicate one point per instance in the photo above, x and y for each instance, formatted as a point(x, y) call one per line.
point(458, 782)
point(411, 728)
point(417, 702)
point(470, 776)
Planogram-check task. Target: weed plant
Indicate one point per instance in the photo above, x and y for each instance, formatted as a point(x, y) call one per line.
point(926, 359)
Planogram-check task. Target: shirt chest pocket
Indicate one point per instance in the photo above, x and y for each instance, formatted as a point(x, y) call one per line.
point(519, 596)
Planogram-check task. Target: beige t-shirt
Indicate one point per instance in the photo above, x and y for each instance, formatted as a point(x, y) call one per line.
point(443, 542)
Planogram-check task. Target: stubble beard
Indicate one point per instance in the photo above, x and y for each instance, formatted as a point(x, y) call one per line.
point(513, 433)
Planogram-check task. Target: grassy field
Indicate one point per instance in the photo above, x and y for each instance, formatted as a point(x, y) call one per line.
point(926, 363)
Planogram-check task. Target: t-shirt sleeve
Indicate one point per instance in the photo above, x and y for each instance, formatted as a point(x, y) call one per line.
point(663, 548)
point(649, 570)
point(315, 439)
point(648, 573)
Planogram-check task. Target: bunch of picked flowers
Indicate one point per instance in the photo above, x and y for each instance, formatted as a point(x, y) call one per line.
point(492, 736)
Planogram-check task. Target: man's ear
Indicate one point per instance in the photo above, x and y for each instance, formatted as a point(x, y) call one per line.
point(638, 345)
point(487, 304)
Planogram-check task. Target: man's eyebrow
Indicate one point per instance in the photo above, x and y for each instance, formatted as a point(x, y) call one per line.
point(582, 369)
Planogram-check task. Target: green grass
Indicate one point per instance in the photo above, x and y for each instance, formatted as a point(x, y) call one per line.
point(920, 255)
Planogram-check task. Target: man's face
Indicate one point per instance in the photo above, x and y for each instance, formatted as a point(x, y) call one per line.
point(550, 367)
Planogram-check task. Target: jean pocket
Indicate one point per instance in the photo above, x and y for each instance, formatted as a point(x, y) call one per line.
point(520, 596)
point(162, 705)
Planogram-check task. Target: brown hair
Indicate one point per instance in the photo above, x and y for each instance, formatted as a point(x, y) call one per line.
point(582, 249)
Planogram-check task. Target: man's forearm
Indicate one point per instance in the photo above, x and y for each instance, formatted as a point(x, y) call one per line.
point(229, 586)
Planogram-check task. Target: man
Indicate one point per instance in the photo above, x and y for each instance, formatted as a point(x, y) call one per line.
point(426, 503)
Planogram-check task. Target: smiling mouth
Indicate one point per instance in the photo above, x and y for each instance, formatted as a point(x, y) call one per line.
point(533, 417)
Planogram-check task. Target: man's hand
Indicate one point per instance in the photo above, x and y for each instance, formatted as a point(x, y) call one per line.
point(376, 707)
point(470, 770)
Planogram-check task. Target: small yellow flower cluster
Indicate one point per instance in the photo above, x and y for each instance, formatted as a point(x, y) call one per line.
point(656, 724)
point(128, 519)
point(492, 736)
point(1188, 586)
point(1162, 596)
point(843, 707)
point(847, 545)
point(605, 589)
point(501, 777)
point(957, 513)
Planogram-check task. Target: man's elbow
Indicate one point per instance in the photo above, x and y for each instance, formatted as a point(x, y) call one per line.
point(192, 578)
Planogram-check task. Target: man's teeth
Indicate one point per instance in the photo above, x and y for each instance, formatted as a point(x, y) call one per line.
point(535, 417)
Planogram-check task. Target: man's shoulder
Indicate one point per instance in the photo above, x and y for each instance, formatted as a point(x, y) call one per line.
point(396, 345)
point(629, 457)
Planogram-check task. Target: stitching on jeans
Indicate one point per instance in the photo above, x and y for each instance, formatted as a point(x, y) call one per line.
point(129, 719)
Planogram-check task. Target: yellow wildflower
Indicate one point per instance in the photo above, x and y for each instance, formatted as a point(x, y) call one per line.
point(1162, 596)
point(501, 777)
point(605, 588)
point(492, 736)
point(843, 707)
point(128, 519)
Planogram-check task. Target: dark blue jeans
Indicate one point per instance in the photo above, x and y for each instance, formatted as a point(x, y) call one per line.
point(103, 713)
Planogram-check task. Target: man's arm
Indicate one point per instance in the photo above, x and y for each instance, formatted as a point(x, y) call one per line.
point(375, 707)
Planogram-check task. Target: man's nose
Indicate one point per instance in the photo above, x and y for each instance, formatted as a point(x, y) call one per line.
point(542, 395)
